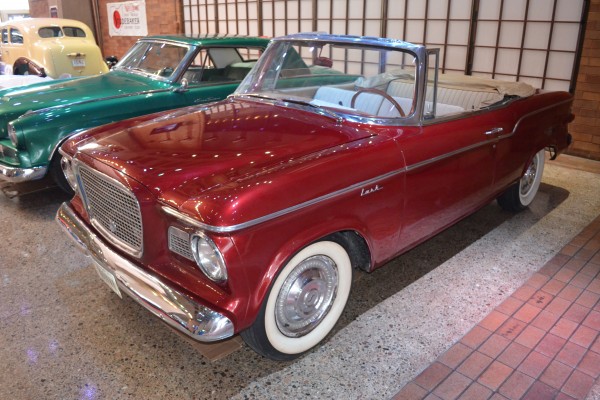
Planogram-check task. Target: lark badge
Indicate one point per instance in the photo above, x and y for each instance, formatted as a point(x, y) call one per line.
point(368, 191)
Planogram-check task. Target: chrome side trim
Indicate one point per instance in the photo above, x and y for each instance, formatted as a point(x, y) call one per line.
point(483, 143)
point(232, 228)
point(175, 308)
point(531, 114)
point(456, 152)
point(16, 174)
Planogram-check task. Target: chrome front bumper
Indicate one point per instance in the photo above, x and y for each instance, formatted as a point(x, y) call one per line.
point(175, 308)
point(15, 174)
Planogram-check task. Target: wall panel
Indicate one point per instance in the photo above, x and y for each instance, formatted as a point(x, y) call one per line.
point(530, 40)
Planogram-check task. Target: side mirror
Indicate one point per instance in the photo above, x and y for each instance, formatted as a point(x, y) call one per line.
point(111, 61)
point(183, 87)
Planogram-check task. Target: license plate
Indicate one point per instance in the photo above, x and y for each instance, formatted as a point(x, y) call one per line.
point(78, 62)
point(108, 278)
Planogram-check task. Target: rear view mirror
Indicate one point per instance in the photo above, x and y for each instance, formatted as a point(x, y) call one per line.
point(324, 62)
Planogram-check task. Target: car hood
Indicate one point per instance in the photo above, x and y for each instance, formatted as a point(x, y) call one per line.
point(20, 100)
point(181, 154)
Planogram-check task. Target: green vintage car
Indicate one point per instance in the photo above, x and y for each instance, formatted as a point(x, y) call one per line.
point(158, 73)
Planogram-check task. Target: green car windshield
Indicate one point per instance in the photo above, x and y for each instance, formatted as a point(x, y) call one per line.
point(158, 59)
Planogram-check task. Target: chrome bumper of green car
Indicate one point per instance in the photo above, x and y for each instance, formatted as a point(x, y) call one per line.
point(16, 174)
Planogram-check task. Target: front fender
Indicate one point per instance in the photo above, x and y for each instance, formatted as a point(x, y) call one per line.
point(259, 277)
point(350, 204)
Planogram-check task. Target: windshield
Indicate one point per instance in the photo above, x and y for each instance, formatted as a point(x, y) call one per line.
point(50, 32)
point(368, 81)
point(154, 58)
point(55, 31)
point(72, 31)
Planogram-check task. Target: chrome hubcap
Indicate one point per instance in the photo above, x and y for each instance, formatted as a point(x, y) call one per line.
point(528, 179)
point(306, 296)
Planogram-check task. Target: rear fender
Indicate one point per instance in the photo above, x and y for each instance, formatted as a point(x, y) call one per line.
point(25, 66)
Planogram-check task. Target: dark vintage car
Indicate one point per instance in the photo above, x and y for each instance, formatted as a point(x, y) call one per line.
point(158, 73)
point(249, 215)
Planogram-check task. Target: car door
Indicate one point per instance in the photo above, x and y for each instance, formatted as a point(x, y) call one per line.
point(5, 54)
point(215, 73)
point(18, 47)
point(450, 161)
point(450, 172)
point(208, 92)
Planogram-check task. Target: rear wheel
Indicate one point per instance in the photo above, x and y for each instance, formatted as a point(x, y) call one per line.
point(304, 303)
point(22, 69)
point(521, 194)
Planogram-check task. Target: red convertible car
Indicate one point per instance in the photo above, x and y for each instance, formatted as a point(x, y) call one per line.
point(248, 216)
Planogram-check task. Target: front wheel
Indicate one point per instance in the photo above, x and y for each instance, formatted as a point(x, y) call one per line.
point(58, 176)
point(521, 194)
point(304, 302)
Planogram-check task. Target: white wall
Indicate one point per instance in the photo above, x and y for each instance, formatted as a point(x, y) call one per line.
point(10, 5)
point(536, 44)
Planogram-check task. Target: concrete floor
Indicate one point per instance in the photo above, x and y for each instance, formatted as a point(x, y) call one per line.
point(64, 334)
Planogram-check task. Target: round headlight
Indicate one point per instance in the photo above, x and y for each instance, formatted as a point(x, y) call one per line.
point(208, 257)
point(12, 134)
point(67, 168)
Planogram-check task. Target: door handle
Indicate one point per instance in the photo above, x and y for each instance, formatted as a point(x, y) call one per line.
point(494, 131)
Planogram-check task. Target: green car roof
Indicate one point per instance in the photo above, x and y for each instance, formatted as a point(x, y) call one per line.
point(212, 40)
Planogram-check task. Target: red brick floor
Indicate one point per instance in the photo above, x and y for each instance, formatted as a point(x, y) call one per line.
point(543, 342)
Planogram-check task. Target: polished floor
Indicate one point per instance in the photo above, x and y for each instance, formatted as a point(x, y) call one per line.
point(64, 334)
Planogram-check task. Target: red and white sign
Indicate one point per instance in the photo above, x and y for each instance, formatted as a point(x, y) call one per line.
point(127, 19)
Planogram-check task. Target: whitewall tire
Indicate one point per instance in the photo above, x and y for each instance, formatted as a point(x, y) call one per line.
point(304, 303)
point(520, 195)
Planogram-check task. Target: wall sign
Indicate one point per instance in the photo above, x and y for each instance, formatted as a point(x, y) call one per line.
point(127, 19)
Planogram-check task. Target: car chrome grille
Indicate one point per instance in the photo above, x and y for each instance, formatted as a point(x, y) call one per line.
point(179, 242)
point(113, 209)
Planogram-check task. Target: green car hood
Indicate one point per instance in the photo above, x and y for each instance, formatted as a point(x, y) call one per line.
point(15, 102)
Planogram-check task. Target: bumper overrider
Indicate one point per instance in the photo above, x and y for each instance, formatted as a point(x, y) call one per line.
point(176, 309)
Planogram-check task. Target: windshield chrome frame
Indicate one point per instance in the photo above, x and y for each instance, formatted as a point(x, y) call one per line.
point(418, 51)
point(191, 53)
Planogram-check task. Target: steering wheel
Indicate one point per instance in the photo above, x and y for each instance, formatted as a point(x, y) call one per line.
point(382, 94)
